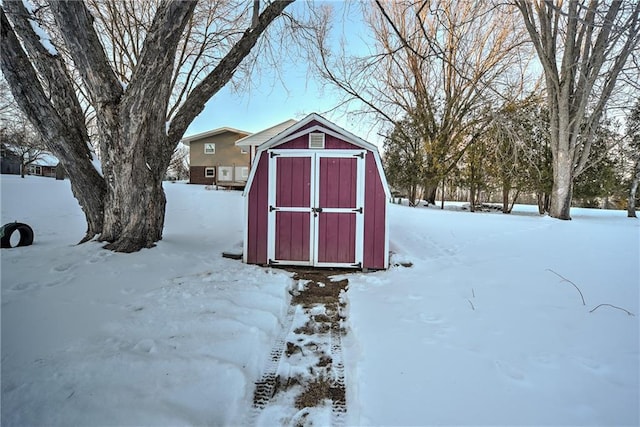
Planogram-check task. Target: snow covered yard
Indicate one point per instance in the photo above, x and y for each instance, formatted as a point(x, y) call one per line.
point(480, 330)
point(175, 335)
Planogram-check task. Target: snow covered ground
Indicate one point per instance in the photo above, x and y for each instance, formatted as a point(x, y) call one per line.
point(479, 330)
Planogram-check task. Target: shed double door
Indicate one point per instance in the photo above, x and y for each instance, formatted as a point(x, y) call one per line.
point(316, 207)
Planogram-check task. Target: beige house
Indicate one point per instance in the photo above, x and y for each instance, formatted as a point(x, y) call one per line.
point(215, 159)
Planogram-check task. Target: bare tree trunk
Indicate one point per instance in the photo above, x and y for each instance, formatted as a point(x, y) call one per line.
point(561, 192)
point(595, 40)
point(56, 116)
point(513, 202)
point(472, 197)
point(631, 204)
point(430, 190)
point(127, 206)
point(506, 188)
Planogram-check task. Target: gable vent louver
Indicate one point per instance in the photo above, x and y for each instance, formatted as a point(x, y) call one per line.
point(316, 140)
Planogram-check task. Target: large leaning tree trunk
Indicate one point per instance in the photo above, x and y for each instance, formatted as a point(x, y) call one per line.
point(582, 46)
point(135, 138)
point(52, 108)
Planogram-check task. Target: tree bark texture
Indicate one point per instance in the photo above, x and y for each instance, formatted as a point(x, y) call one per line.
point(56, 115)
point(506, 189)
point(126, 208)
point(631, 203)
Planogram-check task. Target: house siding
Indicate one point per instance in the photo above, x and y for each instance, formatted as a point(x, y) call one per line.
point(226, 154)
point(196, 175)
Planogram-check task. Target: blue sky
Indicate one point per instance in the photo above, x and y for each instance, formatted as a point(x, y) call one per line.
point(271, 101)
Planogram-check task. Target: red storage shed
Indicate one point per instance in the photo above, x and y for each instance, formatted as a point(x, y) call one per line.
point(317, 196)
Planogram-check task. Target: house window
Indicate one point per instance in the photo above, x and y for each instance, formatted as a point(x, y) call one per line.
point(35, 170)
point(209, 148)
point(225, 173)
point(316, 140)
point(242, 173)
point(210, 172)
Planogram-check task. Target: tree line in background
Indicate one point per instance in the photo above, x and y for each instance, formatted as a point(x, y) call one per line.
point(514, 97)
point(498, 97)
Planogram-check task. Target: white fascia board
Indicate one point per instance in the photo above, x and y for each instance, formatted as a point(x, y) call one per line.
point(252, 172)
point(245, 240)
point(383, 178)
point(326, 127)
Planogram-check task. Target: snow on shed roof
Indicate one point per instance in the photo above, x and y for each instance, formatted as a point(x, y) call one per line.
point(188, 139)
point(265, 135)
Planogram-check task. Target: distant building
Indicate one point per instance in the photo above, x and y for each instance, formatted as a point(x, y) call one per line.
point(215, 159)
point(45, 165)
point(9, 161)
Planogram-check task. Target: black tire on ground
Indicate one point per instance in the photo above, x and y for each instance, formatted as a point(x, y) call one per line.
point(26, 234)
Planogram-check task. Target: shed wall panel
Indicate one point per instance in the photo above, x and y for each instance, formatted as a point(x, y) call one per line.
point(375, 205)
point(258, 212)
point(338, 182)
point(337, 232)
point(293, 181)
point(292, 236)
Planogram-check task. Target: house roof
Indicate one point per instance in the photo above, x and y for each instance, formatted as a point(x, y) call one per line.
point(46, 159)
point(265, 135)
point(189, 139)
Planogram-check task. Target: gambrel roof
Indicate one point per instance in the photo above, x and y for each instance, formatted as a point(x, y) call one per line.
point(323, 125)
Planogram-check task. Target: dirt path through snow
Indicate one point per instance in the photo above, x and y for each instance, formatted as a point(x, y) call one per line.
point(303, 382)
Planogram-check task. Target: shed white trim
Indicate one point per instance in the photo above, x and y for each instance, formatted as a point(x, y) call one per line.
point(295, 130)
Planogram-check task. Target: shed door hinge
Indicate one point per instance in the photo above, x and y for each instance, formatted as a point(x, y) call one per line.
point(359, 210)
point(272, 262)
point(272, 208)
point(361, 155)
point(272, 154)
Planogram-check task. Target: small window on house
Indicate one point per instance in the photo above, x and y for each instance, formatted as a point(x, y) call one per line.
point(225, 173)
point(316, 140)
point(209, 148)
point(35, 170)
point(210, 172)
